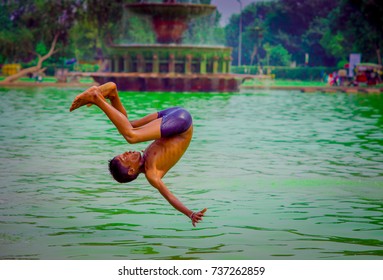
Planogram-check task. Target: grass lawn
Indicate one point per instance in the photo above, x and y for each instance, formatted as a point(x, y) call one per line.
point(287, 83)
point(278, 82)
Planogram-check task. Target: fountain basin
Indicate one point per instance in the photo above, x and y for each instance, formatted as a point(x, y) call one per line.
point(170, 67)
point(171, 82)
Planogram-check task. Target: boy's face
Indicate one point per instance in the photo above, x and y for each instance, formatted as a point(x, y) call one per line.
point(130, 160)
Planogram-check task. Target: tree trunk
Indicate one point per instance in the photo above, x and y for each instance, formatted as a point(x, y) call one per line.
point(36, 68)
point(253, 54)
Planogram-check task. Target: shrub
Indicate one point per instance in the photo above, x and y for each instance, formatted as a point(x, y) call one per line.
point(287, 73)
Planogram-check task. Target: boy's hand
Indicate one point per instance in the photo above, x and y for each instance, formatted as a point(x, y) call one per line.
point(197, 216)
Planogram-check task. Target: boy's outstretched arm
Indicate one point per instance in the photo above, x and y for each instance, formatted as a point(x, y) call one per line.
point(168, 195)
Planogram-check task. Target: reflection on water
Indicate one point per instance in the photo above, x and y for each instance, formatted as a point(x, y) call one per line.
point(285, 175)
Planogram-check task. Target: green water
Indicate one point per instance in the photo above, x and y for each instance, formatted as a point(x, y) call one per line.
point(285, 175)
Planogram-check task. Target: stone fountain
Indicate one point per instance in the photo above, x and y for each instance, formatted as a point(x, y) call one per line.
point(170, 65)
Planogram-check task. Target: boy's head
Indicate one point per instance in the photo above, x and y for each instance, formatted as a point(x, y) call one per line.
point(125, 167)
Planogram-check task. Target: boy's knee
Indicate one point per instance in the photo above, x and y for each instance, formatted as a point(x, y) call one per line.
point(132, 140)
point(131, 137)
point(112, 85)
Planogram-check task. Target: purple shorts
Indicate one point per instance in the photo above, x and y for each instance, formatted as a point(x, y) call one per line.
point(175, 121)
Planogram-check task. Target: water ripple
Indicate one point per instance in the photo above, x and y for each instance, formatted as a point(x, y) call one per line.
point(284, 175)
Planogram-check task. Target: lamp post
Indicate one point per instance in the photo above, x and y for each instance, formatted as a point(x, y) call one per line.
point(240, 34)
point(259, 38)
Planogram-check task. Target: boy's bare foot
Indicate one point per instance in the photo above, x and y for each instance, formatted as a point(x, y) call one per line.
point(87, 97)
point(108, 91)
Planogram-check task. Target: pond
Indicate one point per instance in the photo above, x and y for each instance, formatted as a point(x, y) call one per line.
point(284, 175)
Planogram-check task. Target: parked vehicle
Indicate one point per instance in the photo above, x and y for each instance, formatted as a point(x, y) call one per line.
point(367, 74)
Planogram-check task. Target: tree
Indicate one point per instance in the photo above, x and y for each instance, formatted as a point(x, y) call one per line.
point(361, 25)
point(255, 21)
point(296, 17)
point(104, 15)
point(321, 45)
point(36, 68)
point(325, 29)
point(136, 29)
point(277, 55)
point(198, 34)
point(35, 23)
point(15, 38)
point(83, 41)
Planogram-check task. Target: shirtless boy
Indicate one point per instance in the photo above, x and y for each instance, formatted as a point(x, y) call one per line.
point(171, 130)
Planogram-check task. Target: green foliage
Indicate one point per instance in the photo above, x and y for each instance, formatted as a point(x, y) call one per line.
point(137, 30)
point(360, 22)
point(333, 44)
point(301, 73)
point(32, 24)
point(103, 14)
point(197, 34)
point(273, 32)
point(288, 73)
point(14, 44)
point(14, 40)
point(277, 55)
point(327, 30)
point(84, 41)
point(297, 18)
point(342, 63)
point(86, 67)
point(41, 48)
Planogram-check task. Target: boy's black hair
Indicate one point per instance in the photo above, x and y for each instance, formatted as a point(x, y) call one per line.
point(119, 172)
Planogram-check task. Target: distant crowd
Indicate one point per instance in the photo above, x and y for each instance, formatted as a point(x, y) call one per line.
point(368, 77)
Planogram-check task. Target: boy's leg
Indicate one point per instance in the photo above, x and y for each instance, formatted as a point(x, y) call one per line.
point(109, 91)
point(150, 131)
